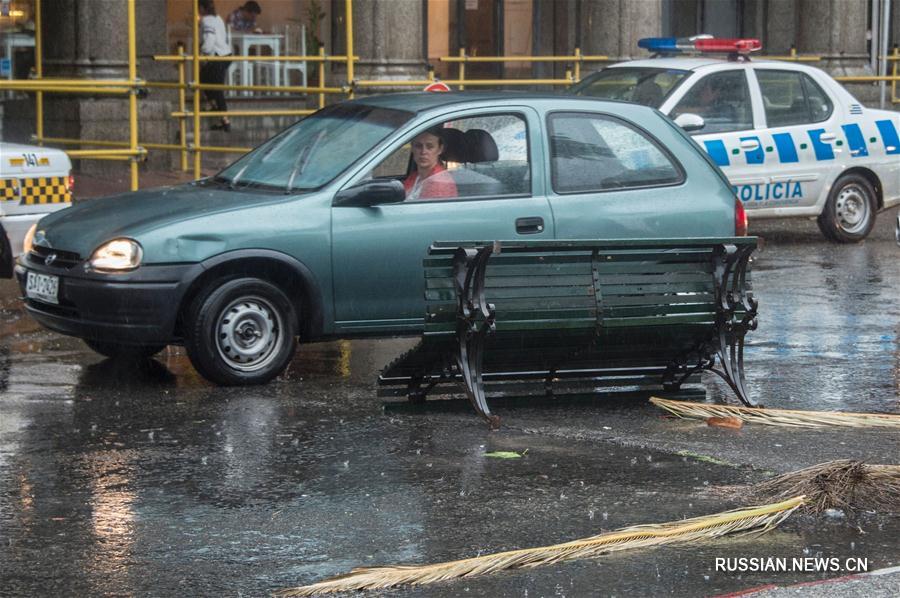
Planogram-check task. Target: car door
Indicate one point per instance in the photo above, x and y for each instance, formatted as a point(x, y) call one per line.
point(800, 133)
point(377, 251)
point(731, 134)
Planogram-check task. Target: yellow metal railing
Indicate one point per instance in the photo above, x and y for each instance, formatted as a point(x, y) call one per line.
point(577, 59)
point(129, 151)
point(196, 114)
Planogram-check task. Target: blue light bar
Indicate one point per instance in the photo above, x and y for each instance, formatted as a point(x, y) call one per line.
point(660, 44)
point(699, 43)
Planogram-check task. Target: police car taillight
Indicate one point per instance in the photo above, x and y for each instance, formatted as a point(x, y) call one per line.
point(740, 219)
point(70, 183)
point(670, 45)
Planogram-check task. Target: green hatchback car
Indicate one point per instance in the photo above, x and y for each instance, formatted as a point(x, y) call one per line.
point(320, 232)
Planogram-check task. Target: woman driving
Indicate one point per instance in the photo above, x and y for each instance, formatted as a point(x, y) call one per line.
point(429, 180)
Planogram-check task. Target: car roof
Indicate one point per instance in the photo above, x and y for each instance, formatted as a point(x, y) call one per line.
point(422, 101)
point(693, 63)
point(7, 146)
point(683, 64)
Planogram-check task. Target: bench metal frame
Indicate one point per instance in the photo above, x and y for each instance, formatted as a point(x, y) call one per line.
point(735, 315)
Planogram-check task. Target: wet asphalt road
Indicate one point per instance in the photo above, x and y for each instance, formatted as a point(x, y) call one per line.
point(148, 481)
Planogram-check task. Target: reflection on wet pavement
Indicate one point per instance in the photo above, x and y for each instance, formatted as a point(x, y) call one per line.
point(148, 480)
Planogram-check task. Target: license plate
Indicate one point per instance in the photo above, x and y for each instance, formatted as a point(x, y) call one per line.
point(43, 287)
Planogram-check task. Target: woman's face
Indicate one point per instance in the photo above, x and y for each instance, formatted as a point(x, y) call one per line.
point(426, 149)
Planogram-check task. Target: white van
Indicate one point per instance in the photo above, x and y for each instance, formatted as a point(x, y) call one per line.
point(34, 181)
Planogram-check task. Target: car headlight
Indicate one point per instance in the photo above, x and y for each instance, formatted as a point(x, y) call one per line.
point(28, 243)
point(118, 254)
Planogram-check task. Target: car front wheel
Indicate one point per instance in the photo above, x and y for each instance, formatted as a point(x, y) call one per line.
point(849, 213)
point(241, 332)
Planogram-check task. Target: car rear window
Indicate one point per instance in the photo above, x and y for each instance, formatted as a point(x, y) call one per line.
point(792, 98)
point(598, 152)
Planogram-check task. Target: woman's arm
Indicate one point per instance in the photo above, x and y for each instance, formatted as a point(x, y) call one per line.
point(208, 35)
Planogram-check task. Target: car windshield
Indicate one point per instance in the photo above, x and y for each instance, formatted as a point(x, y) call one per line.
point(647, 86)
point(315, 150)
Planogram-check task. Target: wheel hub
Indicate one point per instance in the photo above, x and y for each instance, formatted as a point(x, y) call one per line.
point(852, 209)
point(248, 333)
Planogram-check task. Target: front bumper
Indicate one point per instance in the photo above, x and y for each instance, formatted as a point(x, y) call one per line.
point(138, 307)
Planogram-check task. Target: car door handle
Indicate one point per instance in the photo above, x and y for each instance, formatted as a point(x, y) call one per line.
point(827, 137)
point(750, 145)
point(530, 226)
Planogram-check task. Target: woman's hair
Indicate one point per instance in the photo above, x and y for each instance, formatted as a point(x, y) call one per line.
point(207, 6)
point(438, 132)
point(252, 7)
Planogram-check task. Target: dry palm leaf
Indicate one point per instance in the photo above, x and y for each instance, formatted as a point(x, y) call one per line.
point(754, 519)
point(844, 484)
point(780, 417)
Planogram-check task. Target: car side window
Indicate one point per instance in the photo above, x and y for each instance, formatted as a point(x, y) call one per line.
point(723, 101)
point(479, 156)
point(820, 106)
point(596, 152)
point(792, 98)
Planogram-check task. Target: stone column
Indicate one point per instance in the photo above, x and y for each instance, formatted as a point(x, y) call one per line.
point(895, 23)
point(388, 37)
point(89, 40)
point(836, 30)
point(781, 27)
point(613, 27)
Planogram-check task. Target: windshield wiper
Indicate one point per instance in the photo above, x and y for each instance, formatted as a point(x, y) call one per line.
point(232, 184)
point(301, 162)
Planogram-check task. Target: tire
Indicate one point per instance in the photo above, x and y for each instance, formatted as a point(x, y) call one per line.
point(241, 332)
point(120, 352)
point(849, 213)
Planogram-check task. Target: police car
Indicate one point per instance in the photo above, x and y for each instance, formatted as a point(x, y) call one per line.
point(791, 140)
point(34, 181)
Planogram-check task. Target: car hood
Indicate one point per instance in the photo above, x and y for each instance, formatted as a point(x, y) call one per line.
point(86, 225)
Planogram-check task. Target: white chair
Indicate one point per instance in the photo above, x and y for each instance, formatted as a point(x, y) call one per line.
point(266, 72)
point(233, 76)
point(294, 45)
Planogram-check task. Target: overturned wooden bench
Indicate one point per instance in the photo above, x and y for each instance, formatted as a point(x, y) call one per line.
point(585, 313)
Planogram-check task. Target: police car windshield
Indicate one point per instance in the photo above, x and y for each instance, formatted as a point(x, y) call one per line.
point(647, 86)
point(316, 150)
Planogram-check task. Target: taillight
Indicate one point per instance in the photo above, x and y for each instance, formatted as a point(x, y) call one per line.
point(740, 219)
point(70, 183)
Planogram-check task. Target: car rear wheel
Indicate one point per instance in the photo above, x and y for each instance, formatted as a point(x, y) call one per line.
point(241, 332)
point(122, 352)
point(849, 213)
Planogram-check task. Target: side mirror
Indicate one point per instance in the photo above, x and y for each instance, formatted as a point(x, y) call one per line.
point(690, 122)
point(370, 193)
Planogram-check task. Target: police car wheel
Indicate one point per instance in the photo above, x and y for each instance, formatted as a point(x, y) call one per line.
point(241, 332)
point(849, 213)
point(121, 352)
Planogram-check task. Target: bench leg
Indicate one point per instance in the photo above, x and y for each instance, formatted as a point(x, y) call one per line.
point(679, 370)
point(733, 295)
point(731, 356)
point(470, 360)
point(417, 391)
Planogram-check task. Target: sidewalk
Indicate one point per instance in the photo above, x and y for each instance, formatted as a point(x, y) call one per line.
point(88, 186)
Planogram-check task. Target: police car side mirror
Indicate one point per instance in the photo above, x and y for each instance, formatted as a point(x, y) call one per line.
point(690, 122)
point(371, 192)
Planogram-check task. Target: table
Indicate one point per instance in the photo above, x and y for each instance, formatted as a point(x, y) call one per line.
point(245, 41)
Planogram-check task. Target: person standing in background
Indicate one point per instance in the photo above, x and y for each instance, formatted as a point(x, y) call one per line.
point(243, 18)
point(213, 42)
